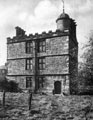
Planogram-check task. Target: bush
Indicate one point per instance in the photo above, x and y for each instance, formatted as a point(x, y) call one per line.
point(13, 87)
point(9, 86)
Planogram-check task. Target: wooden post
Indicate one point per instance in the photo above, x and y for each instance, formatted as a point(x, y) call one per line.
point(29, 99)
point(3, 98)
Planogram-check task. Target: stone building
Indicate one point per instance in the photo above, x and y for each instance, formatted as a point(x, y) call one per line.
point(45, 62)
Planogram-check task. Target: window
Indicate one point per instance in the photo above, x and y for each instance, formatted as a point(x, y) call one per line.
point(42, 46)
point(41, 82)
point(29, 64)
point(41, 63)
point(29, 47)
point(28, 82)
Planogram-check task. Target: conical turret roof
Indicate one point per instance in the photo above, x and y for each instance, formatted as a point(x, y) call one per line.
point(63, 16)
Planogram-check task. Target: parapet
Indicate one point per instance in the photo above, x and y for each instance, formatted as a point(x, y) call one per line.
point(36, 36)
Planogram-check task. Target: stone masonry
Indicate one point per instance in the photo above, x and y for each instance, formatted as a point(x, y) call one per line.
point(60, 55)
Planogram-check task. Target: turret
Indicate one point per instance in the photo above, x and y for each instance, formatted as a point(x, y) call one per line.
point(63, 22)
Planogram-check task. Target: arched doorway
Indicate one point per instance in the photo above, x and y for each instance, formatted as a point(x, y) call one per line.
point(57, 87)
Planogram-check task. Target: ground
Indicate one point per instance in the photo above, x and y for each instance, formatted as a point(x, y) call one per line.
point(46, 107)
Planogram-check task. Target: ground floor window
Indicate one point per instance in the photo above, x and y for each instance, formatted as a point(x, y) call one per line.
point(28, 82)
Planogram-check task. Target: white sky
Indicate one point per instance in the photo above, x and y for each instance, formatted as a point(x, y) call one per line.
point(40, 15)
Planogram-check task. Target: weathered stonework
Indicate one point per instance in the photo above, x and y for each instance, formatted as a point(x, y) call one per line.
point(60, 58)
point(50, 80)
point(73, 66)
point(17, 67)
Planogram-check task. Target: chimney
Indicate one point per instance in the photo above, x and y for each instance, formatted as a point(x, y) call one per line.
point(19, 32)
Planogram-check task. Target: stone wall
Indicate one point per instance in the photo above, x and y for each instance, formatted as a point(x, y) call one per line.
point(54, 46)
point(57, 45)
point(18, 67)
point(56, 65)
point(49, 84)
point(73, 66)
point(17, 50)
point(56, 58)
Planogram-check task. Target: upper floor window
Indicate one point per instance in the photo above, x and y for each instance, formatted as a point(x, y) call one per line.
point(28, 82)
point(41, 63)
point(29, 64)
point(29, 47)
point(42, 46)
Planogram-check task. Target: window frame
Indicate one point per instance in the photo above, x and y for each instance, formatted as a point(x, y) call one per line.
point(42, 46)
point(41, 63)
point(29, 47)
point(29, 64)
point(28, 82)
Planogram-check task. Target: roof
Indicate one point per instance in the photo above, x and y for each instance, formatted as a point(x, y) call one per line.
point(63, 16)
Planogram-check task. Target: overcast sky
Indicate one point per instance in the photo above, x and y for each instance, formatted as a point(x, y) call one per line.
point(40, 15)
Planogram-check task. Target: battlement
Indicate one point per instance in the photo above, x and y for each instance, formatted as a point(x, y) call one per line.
point(43, 35)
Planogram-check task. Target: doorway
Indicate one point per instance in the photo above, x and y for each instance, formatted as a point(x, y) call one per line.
point(57, 87)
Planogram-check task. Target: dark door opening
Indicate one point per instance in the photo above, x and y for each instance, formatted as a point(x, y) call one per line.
point(57, 87)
